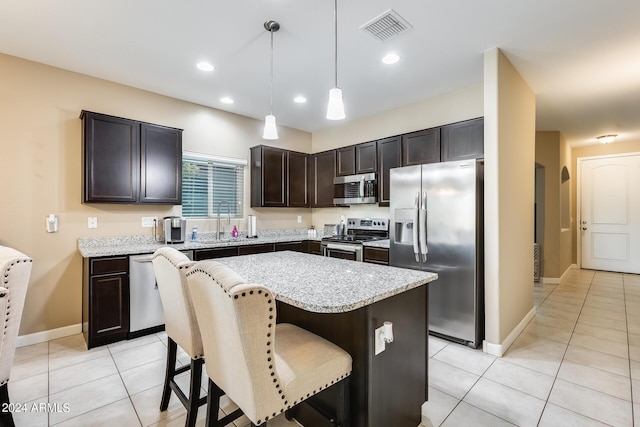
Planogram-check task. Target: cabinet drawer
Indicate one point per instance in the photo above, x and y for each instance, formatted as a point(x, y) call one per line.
point(255, 249)
point(201, 254)
point(293, 246)
point(109, 265)
point(376, 255)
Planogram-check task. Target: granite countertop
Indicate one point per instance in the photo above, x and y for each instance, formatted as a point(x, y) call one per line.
point(130, 245)
point(324, 284)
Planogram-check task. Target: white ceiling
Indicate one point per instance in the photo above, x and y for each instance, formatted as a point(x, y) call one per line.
point(580, 57)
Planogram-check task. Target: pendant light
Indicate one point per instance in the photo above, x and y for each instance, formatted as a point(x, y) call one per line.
point(335, 109)
point(270, 130)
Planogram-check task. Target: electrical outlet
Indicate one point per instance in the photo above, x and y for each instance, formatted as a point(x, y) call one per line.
point(147, 221)
point(299, 219)
point(378, 338)
point(92, 222)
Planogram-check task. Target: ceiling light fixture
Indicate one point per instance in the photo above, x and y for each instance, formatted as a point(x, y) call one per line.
point(300, 99)
point(606, 139)
point(335, 109)
point(270, 130)
point(204, 66)
point(226, 100)
point(390, 58)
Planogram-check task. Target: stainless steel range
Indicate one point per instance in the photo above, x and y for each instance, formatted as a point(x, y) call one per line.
point(350, 244)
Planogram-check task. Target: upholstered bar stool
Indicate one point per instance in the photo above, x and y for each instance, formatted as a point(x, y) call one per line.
point(263, 367)
point(15, 269)
point(182, 329)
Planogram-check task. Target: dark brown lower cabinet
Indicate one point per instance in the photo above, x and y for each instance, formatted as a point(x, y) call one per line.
point(387, 389)
point(376, 255)
point(301, 246)
point(314, 247)
point(200, 254)
point(105, 300)
point(255, 249)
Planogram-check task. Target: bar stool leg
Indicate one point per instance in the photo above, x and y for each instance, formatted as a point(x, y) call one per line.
point(194, 391)
point(172, 349)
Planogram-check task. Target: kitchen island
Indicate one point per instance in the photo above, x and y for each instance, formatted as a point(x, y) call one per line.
point(345, 302)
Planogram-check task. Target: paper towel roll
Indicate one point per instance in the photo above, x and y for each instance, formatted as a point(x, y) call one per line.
point(252, 230)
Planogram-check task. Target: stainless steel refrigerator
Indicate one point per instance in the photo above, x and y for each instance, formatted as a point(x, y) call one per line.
point(437, 225)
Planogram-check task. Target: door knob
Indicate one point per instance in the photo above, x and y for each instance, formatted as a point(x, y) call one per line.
point(584, 228)
point(584, 222)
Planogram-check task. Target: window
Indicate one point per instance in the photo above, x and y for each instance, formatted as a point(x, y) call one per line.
point(207, 181)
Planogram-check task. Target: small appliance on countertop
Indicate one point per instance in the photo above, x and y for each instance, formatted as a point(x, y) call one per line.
point(175, 229)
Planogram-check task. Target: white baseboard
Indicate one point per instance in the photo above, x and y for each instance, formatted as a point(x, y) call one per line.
point(51, 334)
point(499, 350)
point(567, 271)
point(557, 280)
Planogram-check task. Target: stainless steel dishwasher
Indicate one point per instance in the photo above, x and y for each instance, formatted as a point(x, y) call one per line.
point(145, 307)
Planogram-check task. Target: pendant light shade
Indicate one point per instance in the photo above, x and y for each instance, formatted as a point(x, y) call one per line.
point(270, 129)
point(335, 109)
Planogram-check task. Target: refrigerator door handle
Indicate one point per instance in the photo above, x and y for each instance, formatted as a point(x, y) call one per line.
point(416, 217)
point(423, 228)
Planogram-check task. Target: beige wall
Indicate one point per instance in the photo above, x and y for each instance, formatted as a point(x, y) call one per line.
point(592, 151)
point(509, 119)
point(41, 173)
point(553, 152)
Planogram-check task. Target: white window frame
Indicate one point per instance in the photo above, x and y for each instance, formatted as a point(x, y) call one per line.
point(220, 160)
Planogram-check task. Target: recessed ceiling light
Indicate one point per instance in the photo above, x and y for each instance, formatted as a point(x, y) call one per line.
point(391, 58)
point(300, 99)
point(226, 100)
point(204, 66)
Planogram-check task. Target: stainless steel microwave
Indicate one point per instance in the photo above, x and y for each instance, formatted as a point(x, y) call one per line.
point(355, 189)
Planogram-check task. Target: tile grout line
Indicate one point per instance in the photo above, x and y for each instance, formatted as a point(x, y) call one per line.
point(626, 320)
point(555, 378)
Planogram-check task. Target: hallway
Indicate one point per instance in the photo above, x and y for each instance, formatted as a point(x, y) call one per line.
point(577, 362)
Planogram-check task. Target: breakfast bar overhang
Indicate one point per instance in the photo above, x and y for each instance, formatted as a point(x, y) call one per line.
point(345, 302)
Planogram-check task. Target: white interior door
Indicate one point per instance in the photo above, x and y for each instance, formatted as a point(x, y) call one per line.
point(609, 223)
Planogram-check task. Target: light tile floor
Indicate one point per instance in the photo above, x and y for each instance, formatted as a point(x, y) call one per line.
point(576, 363)
point(115, 385)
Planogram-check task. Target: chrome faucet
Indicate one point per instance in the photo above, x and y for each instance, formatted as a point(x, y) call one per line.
point(228, 217)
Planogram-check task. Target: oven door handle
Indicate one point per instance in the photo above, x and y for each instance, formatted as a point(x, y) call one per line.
point(343, 247)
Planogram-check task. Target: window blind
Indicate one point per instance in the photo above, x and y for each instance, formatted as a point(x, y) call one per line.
point(208, 182)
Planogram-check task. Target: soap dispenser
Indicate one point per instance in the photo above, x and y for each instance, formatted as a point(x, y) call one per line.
point(234, 232)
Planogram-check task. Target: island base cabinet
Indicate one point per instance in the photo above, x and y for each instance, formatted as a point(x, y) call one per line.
point(387, 389)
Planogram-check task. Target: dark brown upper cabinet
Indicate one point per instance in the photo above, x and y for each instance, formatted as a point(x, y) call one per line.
point(356, 159)
point(366, 157)
point(421, 147)
point(464, 140)
point(127, 161)
point(278, 177)
point(322, 170)
point(298, 179)
point(389, 156)
point(346, 161)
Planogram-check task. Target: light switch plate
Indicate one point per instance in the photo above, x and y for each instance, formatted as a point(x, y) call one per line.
point(379, 341)
point(92, 222)
point(299, 219)
point(147, 221)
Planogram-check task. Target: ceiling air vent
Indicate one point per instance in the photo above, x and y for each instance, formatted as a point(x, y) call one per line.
point(386, 26)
